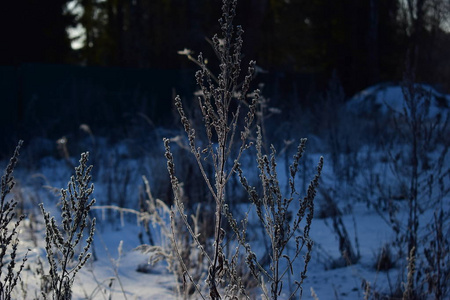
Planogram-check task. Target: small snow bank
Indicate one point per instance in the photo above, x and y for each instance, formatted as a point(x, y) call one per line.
point(387, 97)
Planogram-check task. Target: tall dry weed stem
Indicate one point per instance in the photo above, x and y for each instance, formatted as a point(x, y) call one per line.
point(62, 241)
point(222, 103)
point(419, 166)
point(426, 185)
point(276, 216)
point(220, 127)
point(409, 285)
point(9, 271)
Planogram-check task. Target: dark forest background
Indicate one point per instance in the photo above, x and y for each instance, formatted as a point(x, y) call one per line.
point(364, 42)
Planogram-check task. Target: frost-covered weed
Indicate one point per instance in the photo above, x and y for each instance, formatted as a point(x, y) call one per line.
point(227, 122)
point(9, 225)
point(64, 258)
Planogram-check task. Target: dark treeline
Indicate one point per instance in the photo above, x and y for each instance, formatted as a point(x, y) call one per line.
point(365, 41)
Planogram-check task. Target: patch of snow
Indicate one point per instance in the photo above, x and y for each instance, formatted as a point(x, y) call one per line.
point(388, 97)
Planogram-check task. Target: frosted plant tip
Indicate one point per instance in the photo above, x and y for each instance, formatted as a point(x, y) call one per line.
point(185, 51)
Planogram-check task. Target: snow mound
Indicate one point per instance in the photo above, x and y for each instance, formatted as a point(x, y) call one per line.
point(388, 97)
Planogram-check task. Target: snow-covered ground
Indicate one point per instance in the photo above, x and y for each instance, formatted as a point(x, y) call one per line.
point(389, 97)
point(114, 273)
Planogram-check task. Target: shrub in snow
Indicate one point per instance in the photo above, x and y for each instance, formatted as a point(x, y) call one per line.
point(9, 271)
point(62, 241)
point(419, 176)
point(222, 101)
